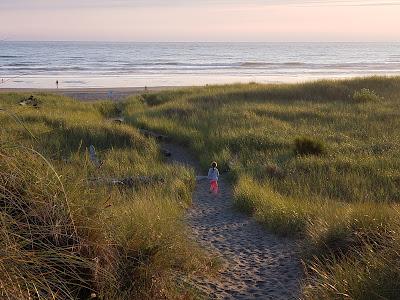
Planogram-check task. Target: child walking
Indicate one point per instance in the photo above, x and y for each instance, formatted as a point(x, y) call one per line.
point(213, 176)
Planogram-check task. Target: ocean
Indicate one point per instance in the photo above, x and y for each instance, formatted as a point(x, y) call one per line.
point(103, 64)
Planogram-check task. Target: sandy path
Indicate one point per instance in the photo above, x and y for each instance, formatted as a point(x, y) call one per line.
point(258, 265)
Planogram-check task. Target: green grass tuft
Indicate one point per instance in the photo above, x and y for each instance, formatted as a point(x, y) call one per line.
point(308, 146)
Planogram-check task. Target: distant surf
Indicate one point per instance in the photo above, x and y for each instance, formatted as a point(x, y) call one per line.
point(88, 64)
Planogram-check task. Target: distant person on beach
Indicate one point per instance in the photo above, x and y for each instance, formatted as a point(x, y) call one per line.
point(213, 176)
point(57, 83)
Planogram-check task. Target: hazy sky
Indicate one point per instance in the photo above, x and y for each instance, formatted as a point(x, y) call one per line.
point(200, 20)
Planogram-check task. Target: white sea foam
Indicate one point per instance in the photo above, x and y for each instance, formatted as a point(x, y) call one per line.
point(81, 64)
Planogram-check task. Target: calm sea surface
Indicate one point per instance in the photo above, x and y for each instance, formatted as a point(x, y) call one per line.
point(87, 64)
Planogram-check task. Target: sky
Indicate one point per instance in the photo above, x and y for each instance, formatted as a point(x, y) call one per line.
point(200, 20)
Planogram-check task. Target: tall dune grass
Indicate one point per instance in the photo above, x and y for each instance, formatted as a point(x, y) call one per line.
point(65, 235)
point(343, 203)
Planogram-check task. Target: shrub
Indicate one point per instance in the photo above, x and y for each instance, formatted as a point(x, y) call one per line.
point(366, 95)
point(308, 146)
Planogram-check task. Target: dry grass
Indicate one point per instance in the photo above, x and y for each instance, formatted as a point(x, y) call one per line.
point(64, 236)
point(341, 202)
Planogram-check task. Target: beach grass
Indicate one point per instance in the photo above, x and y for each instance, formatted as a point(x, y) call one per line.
point(66, 232)
point(318, 161)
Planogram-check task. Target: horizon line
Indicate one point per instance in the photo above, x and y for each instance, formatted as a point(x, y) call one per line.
point(192, 41)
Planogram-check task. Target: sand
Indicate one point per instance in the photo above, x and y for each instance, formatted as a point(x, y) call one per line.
point(93, 94)
point(257, 264)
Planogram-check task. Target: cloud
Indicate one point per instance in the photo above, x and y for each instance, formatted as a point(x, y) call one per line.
point(200, 20)
point(65, 4)
point(350, 3)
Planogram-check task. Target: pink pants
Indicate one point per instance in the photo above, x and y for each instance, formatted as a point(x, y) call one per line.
point(214, 186)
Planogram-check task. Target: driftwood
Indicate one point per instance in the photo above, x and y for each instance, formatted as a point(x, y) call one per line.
point(129, 182)
point(118, 120)
point(157, 136)
point(31, 101)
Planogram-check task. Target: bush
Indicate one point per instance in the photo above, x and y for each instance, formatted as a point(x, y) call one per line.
point(308, 146)
point(366, 95)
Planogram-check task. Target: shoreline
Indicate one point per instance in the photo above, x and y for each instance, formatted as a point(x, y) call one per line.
point(119, 93)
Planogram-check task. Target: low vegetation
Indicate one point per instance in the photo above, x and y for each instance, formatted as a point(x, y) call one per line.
point(66, 231)
point(319, 161)
point(306, 146)
point(365, 95)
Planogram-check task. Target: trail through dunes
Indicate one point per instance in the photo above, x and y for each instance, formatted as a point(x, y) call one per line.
point(257, 264)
